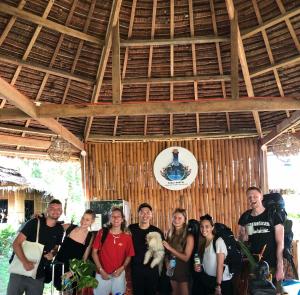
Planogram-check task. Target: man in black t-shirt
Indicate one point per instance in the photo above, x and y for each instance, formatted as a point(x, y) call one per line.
point(259, 228)
point(50, 235)
point(144, 278)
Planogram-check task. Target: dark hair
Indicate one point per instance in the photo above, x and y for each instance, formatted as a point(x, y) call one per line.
point(144, 205)
point(208, 218)
point(90, 212)
point(253, 188)
point(55, 201)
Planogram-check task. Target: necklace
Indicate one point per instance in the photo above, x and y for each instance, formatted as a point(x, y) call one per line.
point(115, 237)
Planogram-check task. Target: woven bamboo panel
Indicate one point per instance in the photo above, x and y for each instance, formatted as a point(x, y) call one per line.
point(225, 169)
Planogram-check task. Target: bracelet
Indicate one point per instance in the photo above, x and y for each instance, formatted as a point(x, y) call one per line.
point(100, 268)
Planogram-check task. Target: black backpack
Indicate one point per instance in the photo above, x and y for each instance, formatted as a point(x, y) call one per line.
point(274, 203)
point(234, 254)
point(193, 228)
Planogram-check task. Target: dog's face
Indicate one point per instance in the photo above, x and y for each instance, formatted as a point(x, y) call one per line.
point(154, 240)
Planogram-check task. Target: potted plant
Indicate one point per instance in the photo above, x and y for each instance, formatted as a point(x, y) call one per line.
point(82, 276)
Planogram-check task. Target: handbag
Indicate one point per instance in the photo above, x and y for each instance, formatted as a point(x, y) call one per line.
point(33, 252)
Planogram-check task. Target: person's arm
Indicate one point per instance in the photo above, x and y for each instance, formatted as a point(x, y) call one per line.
point(219, 272)
point(186, 255)
point(51, 254)
point(17, 247)
point(102, 272)
point(88, 249)
point(242, 234)
point(279, 238)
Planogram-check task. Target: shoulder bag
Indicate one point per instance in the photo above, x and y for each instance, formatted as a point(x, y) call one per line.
point(33, 252)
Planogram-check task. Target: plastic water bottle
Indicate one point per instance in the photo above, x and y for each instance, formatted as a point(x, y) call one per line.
point(171, 267)
point(197, 262)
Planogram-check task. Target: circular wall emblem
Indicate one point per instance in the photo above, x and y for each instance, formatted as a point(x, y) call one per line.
point(175, 168)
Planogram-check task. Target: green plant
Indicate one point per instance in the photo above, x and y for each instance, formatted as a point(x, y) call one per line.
point(248, 254)
point(7, 236)
point(82, 275)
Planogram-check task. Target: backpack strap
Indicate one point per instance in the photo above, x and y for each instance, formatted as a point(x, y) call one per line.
point(214, 243)
point(88, 239)
point(105, 232)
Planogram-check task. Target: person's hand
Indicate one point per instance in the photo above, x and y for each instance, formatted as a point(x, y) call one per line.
point(117, 272)
point(197, 268)
point(49, 256)
point(68, 274)
point(28, 265)
point(218, 290)
point(279, 275)
point(104, 274)
point(166, 245)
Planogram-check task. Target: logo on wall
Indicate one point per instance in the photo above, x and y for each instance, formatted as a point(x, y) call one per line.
point(175, 168)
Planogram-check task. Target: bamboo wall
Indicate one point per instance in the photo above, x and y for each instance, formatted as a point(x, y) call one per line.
point(226, 169)
point(16, 204)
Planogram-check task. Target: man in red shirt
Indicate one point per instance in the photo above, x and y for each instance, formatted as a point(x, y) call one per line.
point(112, 255)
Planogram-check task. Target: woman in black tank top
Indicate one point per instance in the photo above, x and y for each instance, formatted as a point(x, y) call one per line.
point(76, 244)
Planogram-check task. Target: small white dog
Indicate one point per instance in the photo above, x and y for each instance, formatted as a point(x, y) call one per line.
point(155, 250)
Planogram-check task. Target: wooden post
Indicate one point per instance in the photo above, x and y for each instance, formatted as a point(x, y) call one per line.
point(234, 57)
point(263, 170)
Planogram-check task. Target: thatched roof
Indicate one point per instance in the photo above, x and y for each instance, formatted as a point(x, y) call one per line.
point(11, 178)
point(147, 69)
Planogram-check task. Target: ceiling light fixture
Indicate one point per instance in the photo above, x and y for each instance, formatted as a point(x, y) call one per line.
point(59, 150)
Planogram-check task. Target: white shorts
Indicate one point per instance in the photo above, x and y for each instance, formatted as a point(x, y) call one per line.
point(115, 286)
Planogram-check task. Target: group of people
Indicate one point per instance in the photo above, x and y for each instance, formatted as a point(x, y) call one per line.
point(117, 246)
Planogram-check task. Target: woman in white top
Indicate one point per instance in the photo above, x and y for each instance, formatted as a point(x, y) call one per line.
point(215, 277)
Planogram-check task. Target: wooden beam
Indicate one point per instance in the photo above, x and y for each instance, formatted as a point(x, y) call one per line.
point(244, 66)
point(186, 136)
point(234, 57)
point(31, 154)
point(114, 16)
point(26, 105)
point(7, 9)
point(272, 22)
point(8, 114)
point(153, 22)
point(17, 98)
point(22, 141)
point(218, 50)
point(184, 79)
point(269, 50)
point(270, 104)
point(78, 51)
point(171, 61)
point(47, 70)
point(157, 108)
point(194, 59)
point(16, 128)
point(116, 65)
point(289, 24)
point(10, 23)
point(174, 41)
point(284, 126)
point(287, 62)
point(32, 41)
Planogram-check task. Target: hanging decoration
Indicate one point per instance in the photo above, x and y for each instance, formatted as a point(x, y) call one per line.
point(286, 145)
point(59, 150)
